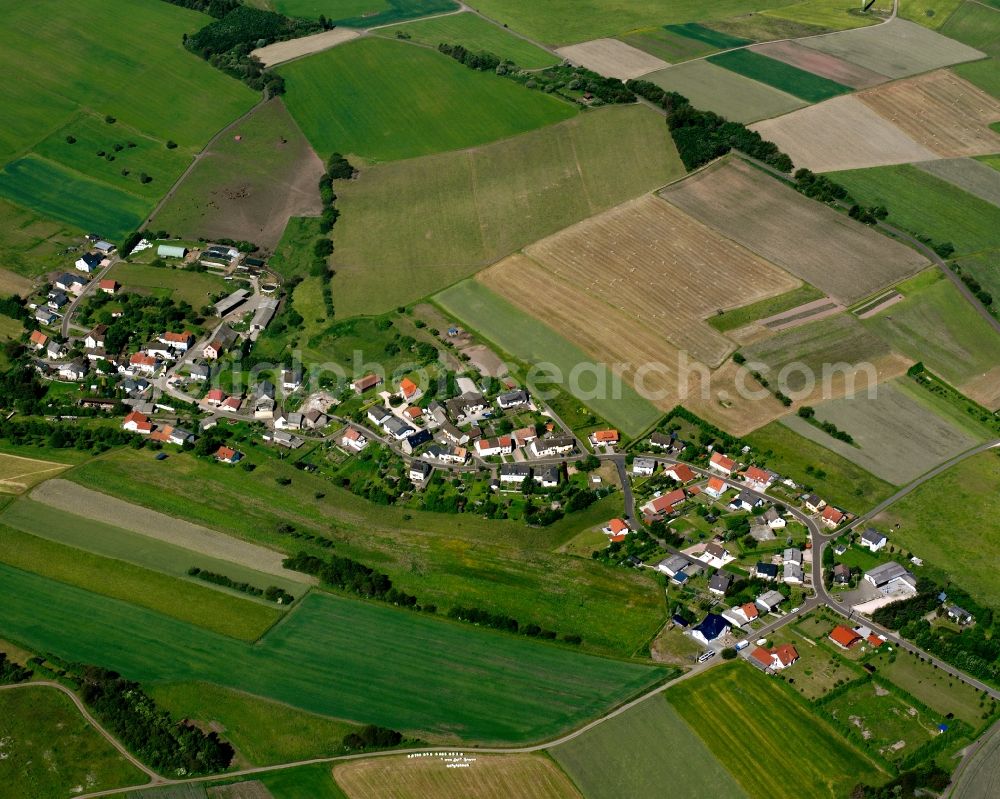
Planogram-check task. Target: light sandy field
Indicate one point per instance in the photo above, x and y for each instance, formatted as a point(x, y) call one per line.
point(612, 58)
point(896, 437)
point(714, 88)
point(940, 111)
point(12, 283)
point(842, 133)
point(985, 389)
point(968, 174)
point(82, 501)
point(823, 64)
point(253, 789)
point(845, 259)
point(280, 52)
point(662, 268)
point(485, 777)
point(18, 474)
point(897, 48)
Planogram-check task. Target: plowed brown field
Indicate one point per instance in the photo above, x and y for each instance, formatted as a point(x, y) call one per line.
point(824, 64)
point(940, 111)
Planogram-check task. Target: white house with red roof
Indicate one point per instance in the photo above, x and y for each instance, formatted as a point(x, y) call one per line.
point(716, 487)
point(832, 516)
point(181, 342)
point(774, 659)
point(231, 404)
point(720, 463)
point(604, 438)
point(665, 503)
point(486, 447)
point(226, 454)
point(747, 612)
point(143, 362)
point(408, 389)
point(680, 472)
point(354, 439)
point(616, 530)
point(137, 422)
point(758, 479)
point(215, 397)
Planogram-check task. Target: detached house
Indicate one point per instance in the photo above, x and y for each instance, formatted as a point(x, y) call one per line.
point(758, 479)
point(515, 473)
point(716, 487)
point(513, 399)
point(844, 637)
point(420, 471)
point(228, 455)
point(291, 379)
point(38, 340)
point(714, 626)
point(555, 445)
point(720, 463)
point(605, 438)
point(680, 472)
point(873, 540)
point(487, 447)
point(832, 517)
point(643, 467)
point(813, 503)
point(89, 262)
point(547, 476)
point(136, 422)
point(363, 384)
point(746, 501)
point(223, 339)
point(715, 555)
point(354, 439)
point(408, 390)
point(774, 659)
point(719, 583)
point(616, 530)
point(665, 503)
point(181, 342)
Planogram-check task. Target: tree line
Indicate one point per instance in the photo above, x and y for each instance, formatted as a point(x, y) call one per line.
point(11, 672)
point(501, 621)
point(348, 574)
point(272, 593)
point(808, 413)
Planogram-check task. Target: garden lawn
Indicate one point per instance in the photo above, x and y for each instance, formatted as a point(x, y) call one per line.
point(924, 204)
point(639, 752)
point(942, 522)
point(58, 193)
point(476, 34)
point(49, 749)
point(343, 658)
point(744, 717)
point(843, 483)
point(181, 284)
point(201, 605)
point(532, 342)
point(780, 75)
point(263, 732)
point(383, 100)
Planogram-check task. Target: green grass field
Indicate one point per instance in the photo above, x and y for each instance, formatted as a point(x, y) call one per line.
point(667, 44)
point(48, 750)
point(773, 744)
point(818, 670)
point(364, 13)
point(532, 342)
point(263, 732)
point(504, 566)
point(474, 685)
point(929, 13)
point(984, 74)
point(385, 100)
point(922, 203)
point(738, 317)
point(713, 38)
point(782, 76)
point(976, 25)
point(560, 22)
point(293, 257)
point(831, 15)
point(480, 205)
point(939, 691)
point(119, 544)
point(845, 484)
point(937, 325)
point(640, 752)
point(58, 193)
point(187, 285)
point(942, 522)
point(201, 605)
point(474, 33)
point(305, 782)
point(30, 244)
point(765, 28)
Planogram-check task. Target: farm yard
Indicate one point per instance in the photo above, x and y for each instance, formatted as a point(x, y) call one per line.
point(975, 177)
point(383, 100)
point(939, 111)
point(897, 49)
point(792, 231)
point(313, 660)
point(744, 717)
point(954, 504)
point(47, 749)
point(626, 756)
point(474, 33)
point(612, 58)
point(713, 88)
point(842, 133)
point(524, 188)
point(779, 74)
point(487, 777)
point(822, 64)
point(897, 437)
point(922, 203)
point(661, 268)
point(938, 326)
point(18, 474)
point(248, 184)
point(426, 554)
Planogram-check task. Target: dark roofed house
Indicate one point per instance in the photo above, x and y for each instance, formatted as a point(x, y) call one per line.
point(719, 583)
point(960, 615)
point(417, 439)
point(513, 399)
point(766, 571)
point(713, 626)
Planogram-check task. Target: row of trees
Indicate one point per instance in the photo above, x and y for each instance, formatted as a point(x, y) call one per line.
point(272, 593)
point(500, 621)
point(44, 433)
point(482, 61)
point(348, 574)
point(702, 136)
point(11, 672)
point(808, 413)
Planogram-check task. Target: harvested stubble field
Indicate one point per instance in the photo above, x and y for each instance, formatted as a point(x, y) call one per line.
point(662, 269)
point(968, 174)
point(842, 133)
point(13, 283)
point(280, 52)
point(940, 111)
point(801, 235)
point(487, 777)
point(249, 184)
point(477, 206)
point(897, 437)
point(897, 49)
point(90, 504)
point(828, 66)
point(612, 58)
point(18, 474)
point(714, 88)
point(639, 752)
